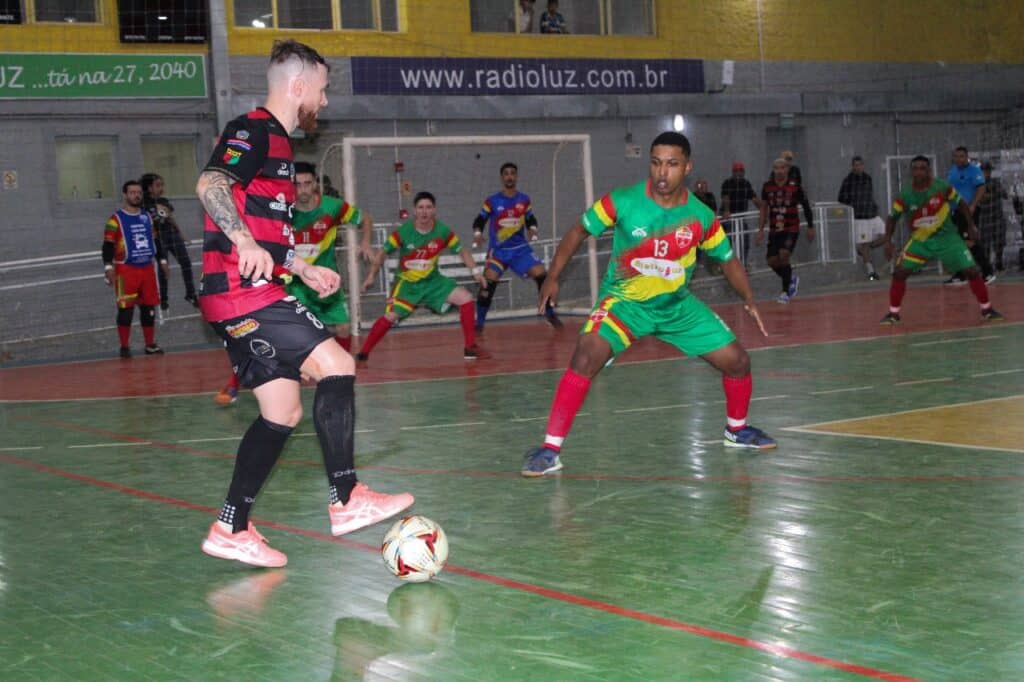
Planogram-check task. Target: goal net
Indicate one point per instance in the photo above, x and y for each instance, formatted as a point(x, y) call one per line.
point(381, 175)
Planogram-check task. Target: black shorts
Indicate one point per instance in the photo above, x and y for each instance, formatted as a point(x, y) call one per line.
point(781, 241)
point(272, 342)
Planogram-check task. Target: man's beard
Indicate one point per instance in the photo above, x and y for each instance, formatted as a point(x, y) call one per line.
point(307, 119)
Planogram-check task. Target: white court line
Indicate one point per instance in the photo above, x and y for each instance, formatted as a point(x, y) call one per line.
point(841, 390)
point(966, 338)
point(21, 447)
point(895, 439)
point(922, 381)
point(767, 397)
point(1002, 371)
point(439, 426)
point(207, 440)
point(119, 444)
point(311, 434)
point(817, 425)
point(652, 409)
point(537, 419)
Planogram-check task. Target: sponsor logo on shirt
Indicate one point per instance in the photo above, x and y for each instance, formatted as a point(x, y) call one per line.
point(640, 232)
point(243, 328)
point(280, 204)
point(658, 267)
point(242, 134)
point(231, 157)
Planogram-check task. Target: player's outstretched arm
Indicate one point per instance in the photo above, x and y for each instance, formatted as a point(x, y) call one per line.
point(214, 191)
point(366, 238)
point(375, 264)
point(736, 275)
point(965, 213)
point(569, 245)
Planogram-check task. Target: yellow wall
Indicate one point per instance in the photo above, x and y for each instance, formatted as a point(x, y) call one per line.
point(101, 37)
point(955, 31)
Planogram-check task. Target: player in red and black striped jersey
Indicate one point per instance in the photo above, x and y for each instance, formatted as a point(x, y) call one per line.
point(272, 340)
point(781, 197)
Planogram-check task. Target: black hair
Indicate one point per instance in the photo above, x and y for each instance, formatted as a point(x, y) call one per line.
point(921, 157)
point(961, 148)
point(509, 164)
point(129, 183)
point(284, 50)
point(856, 159)
point(305, 167)
point(146, 181)
point(673, 139)
point(424, 195)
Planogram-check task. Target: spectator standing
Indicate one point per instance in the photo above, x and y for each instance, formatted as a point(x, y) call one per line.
point(969, 182)
point(172, 243)
point(857, 191)
point(990, 219)
point(552, 21)
point(129, 247)
point(521, 19)
point(702, 192)
point(737, 193)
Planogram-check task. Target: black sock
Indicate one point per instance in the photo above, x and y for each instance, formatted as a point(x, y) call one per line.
point(786, 273)
point(334, 417)
point(257, 454)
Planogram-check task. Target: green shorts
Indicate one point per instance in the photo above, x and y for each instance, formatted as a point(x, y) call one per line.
point(689, 325)
point(331, 309)
point(946, 246)
point(432, 292)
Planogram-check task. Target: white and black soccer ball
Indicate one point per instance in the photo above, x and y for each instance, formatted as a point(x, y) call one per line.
point(415, 549)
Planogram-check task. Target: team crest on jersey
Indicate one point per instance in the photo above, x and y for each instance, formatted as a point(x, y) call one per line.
point(243, 328)
point(598, 315)
point(242, 134)
point(231, 157)
point(684, 237)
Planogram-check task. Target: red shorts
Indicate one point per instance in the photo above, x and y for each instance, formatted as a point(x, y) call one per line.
point(135, 285)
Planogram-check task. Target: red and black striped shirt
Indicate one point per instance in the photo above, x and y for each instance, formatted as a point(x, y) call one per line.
point(255, 152)
point(784, 202)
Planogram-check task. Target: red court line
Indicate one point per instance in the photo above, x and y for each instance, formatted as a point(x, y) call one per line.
point(478, 473)
point(672, 624)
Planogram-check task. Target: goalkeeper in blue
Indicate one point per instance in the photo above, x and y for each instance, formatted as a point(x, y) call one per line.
point(511, 226)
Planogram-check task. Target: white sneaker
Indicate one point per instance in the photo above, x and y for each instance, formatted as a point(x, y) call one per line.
point(783, 298)
point(991, 278)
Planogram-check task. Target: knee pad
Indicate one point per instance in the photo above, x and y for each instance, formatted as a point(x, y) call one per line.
point(124, 316)
point(485, 294)
point(147, 315)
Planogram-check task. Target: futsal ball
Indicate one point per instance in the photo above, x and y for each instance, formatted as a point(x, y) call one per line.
point(415, 549)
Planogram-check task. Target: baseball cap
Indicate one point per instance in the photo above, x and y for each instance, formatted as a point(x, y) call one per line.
point(738, 166)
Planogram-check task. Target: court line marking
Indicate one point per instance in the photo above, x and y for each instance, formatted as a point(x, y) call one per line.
point(895, 439)
point(1001, 371)
point(780, 650)
point(439, 426)
point(841, 390)
point(966, 338)
point(652, 409)
point(119, 444)
point(893, 414)
point(923, 381)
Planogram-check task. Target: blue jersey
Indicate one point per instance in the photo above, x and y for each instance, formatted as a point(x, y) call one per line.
point(506, 220)
point(132, 237)
point(966, 180)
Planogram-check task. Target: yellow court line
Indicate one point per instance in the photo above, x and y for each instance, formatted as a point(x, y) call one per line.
point(946, 444)
point(804, 427)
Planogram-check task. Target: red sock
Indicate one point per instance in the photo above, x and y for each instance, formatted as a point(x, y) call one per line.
point(377, 332)
point(148, 334)
point(980, 291)
point(897, 289)
point(737, 400)
point(467, 316)
point(124, 332)
point(345, 342)
point(233, 382)
point(569, 397)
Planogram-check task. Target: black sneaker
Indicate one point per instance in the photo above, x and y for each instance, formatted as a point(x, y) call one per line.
point(955, 281)
point(191, 298)
point(891, 319)
point(154, 350)
point(991, 315)
point(362, 360)
point(553, 320)
point(873, 276)
point(125, 352)
point(475, 352)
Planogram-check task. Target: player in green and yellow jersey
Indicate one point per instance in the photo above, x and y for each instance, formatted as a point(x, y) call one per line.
point(419, 243)
point(315, 223)
point(928, 204)
point(659, 225)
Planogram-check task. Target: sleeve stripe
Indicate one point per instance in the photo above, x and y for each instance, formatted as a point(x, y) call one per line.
point(347, 211)
point(605, 210)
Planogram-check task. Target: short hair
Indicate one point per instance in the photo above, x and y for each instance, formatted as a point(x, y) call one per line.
point(856, 159)
point(424, 195)
point(780, 162)
point(146, 181)
point(672, 139)
point(305, 167)
point(129, 183)
point(921, 157)
point(961, 148)
point(509, 164)
point(284, 50)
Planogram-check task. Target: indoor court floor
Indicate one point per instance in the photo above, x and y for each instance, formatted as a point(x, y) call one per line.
point(883, 539)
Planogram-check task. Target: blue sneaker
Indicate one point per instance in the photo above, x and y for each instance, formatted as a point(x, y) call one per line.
point(541, 461)
point(749, 437)
point(794, 284)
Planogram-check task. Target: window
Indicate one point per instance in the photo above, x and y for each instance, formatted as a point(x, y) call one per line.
point(322, 15)
point(85, 168)
point(68, 11)
point(173, 159)
point(11, 12)
point(162, 21)
point(582, 17)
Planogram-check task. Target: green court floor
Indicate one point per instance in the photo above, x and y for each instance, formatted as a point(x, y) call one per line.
point(850, 552)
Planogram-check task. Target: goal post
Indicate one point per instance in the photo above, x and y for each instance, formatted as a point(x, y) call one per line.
point(381, 175)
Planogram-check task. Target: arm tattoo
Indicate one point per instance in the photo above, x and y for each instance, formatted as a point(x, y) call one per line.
point(220, 205)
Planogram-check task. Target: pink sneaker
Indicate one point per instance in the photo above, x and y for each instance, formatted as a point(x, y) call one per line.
point(247, 546)
point(365, 508)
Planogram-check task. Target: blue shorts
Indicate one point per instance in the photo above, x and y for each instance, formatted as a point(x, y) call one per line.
point(519, 260)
